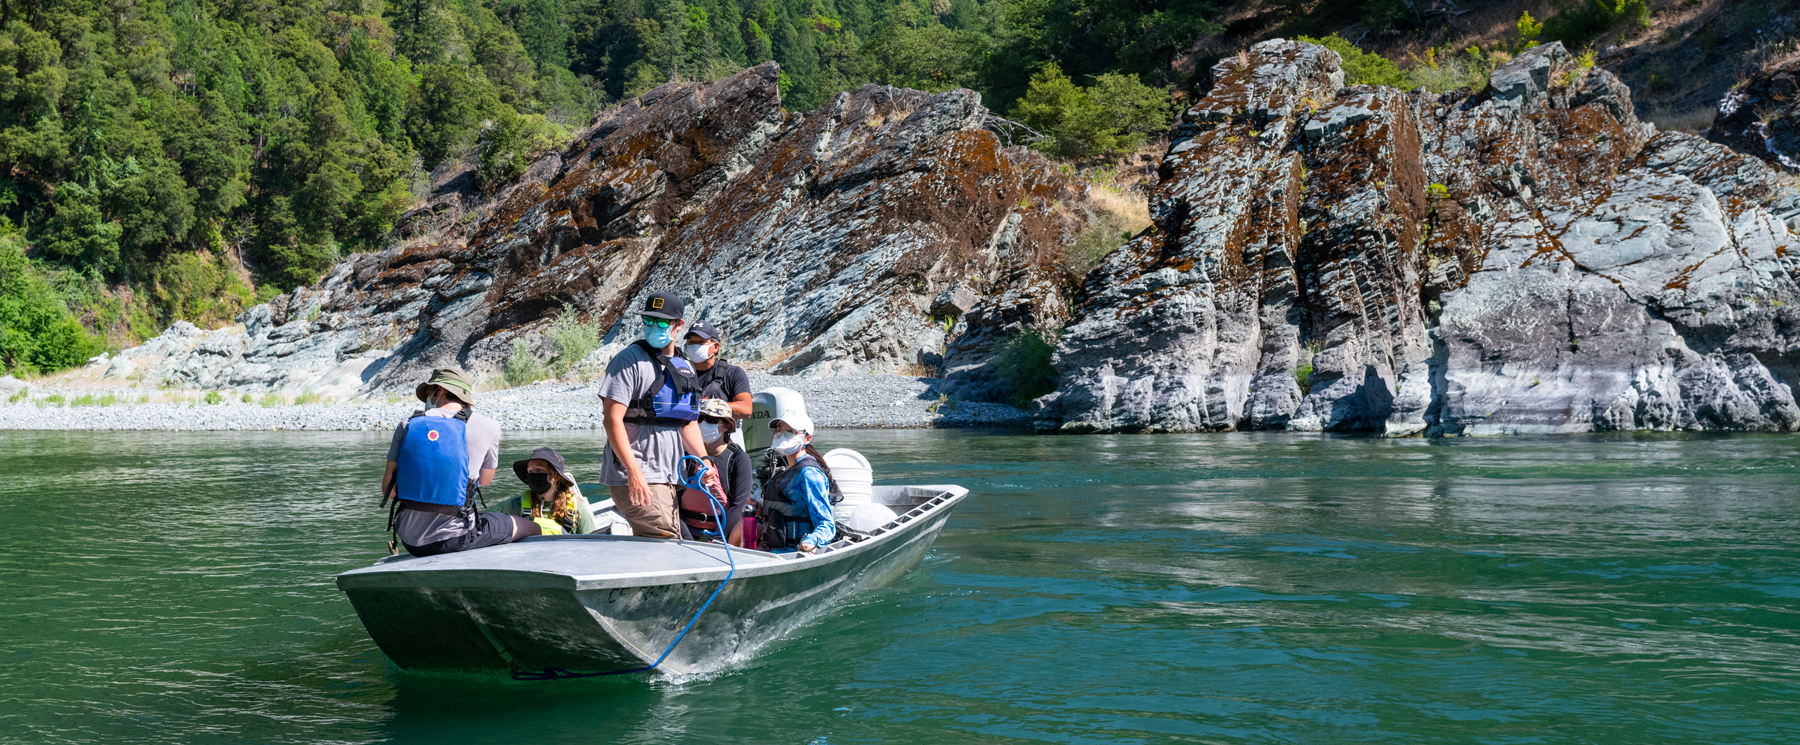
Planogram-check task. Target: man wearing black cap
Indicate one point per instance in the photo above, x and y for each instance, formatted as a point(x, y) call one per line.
point(651, 400)
point(718, 378)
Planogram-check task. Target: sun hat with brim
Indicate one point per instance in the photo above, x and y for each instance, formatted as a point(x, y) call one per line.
point(800, 422)
point(451, 379)
point(716, 408)
point(548, 455)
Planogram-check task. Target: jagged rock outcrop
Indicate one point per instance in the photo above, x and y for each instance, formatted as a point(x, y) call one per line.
point(1761, 117)
point(817, 242)
point(1527, 258)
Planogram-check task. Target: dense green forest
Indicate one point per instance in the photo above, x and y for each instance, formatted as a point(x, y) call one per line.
point(165, 159)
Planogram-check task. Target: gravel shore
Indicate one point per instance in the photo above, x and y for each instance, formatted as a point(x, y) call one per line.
point(849, 402)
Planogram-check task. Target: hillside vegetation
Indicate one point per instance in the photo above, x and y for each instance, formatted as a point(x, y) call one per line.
point(164, 160)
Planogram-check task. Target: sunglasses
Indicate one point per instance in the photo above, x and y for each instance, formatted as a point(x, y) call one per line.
point(661, 323)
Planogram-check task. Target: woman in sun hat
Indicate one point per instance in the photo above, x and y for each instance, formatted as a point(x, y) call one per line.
point(551, 498)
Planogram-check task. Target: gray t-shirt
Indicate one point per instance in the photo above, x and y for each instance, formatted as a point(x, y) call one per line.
point(417, 528)
point(658, 449)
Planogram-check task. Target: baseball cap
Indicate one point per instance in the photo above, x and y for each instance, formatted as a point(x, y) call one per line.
point(716, 408)
point(451, 379)
point(664, 305)
point(800, 422)
point(704, 330)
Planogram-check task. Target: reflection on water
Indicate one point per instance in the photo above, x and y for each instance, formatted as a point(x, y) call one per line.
point(177, 587)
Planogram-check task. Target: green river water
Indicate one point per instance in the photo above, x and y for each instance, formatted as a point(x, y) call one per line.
point(177, 588)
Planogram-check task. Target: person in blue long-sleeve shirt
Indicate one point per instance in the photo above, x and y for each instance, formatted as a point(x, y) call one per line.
point(797, 503)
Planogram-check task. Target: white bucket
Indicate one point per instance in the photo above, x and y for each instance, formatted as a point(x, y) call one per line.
point(854, 478)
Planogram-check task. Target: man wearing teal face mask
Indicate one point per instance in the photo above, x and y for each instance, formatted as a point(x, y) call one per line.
point(651, 398)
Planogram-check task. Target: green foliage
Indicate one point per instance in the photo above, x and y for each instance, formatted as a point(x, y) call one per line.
point(37, 331)
point(308, 397)
point(1438, 71)
point(1435, 192)
point(89, 399)
point(507, 146)
point(54, 400)
point(270, 400)
point(1022, 362)
point(1361, 68)
point(246, 398)
point(1528, 29)
point(1104, 233)
point(572, 338)
point(1445, 70)
point(19, 395)
point(1112, 116)
point(1581, 25)
point(521, 367)
point(214, 397)
point(133, 135)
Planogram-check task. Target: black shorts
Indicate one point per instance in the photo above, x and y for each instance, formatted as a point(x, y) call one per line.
point(491, 529)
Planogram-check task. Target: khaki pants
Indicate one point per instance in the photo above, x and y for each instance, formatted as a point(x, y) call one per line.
point(654, 520)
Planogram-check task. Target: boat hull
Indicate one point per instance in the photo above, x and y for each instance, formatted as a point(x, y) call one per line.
point(541, 604)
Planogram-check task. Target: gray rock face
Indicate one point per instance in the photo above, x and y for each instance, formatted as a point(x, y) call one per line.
point(1530, 258)
point(817, 243)
point(1761, 116)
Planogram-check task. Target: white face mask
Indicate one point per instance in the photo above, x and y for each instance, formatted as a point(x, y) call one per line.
point(788, 443)
point(697, 353)
point(709, 432)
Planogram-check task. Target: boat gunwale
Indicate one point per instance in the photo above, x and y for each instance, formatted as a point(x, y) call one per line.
point(384, 575)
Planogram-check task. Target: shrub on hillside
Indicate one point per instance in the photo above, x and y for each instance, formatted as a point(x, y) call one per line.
point(1022, 362)
point(1579, 26)
point(1114, 115)
point(507, 145)
point(572, 338)
point(37, 331)
point(521, 367)
point(1360, 67)
point(1438, 71)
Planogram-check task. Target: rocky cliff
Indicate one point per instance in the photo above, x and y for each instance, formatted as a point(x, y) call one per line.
point(1761, 117)
point(1525, 258)
point(819, 243)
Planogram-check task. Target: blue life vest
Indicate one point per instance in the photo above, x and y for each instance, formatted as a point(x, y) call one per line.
point(675, 396)
point(433, 466)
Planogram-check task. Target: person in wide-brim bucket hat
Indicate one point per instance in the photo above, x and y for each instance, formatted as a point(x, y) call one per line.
point(454, 382)
point(552, 499)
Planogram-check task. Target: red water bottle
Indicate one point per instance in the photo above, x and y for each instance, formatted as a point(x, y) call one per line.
point(749, 525)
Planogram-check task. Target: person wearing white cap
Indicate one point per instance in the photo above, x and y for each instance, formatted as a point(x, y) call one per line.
point(796, 511)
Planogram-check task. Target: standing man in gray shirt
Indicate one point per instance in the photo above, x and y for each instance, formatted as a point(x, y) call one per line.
point(651, 403)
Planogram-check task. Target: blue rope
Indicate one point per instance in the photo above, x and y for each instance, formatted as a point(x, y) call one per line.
point(557, 673)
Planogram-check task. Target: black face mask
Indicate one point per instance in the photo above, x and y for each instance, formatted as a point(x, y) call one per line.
point(539, 482)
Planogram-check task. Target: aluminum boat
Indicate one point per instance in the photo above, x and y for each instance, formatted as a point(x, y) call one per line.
point(604, 603)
